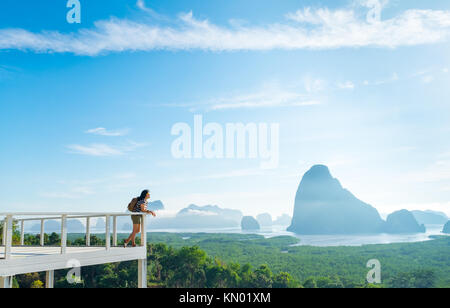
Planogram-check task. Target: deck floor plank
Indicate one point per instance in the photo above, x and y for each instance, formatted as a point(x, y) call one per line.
point(33, 251)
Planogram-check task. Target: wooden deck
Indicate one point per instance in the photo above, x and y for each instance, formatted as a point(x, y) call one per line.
point(20, 259)
point(18, 252)
point(28, 259)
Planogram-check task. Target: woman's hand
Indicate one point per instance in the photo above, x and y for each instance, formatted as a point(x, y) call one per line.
point(153, 213)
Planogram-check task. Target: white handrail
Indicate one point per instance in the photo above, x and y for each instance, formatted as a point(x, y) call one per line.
point(9, 219)
point(82, 214)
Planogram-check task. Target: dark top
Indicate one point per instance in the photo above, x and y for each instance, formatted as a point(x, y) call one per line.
point(137, 207)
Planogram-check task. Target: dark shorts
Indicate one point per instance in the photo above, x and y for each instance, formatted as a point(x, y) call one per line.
point(137, 219)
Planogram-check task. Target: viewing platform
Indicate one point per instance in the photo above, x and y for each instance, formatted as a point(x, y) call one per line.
point(16, 258)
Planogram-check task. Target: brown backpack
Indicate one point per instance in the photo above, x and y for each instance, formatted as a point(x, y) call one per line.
point(132, 204)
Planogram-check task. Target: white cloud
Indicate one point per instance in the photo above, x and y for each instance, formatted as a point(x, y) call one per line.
point(305, 29)
point(233, 174)
point(322, 16)
point(104, 149)
point(141, 5)
point(279, 98)
point(314, 85)
point(95, 150)
point(104, 132)
point(73, 193)
point(269, 95)
point(394, 78)
point(348, 85)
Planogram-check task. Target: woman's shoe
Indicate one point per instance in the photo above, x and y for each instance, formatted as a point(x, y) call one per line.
point(125, 244)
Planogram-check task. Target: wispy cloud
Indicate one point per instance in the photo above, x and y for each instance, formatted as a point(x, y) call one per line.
point(142, 6)
point(99, 149)
point(233, 174)
point(393, 78)
point(7, 71)
point(95, 150)
point(348, 85)
point(314, 85)
point(305, 29)
point(264, 99)
point(72, 193)
point(269, 95)
point(110, 133)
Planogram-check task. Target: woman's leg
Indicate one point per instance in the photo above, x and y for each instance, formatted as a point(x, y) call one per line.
point(133, 234)
point(129, 238)
point(136, 230)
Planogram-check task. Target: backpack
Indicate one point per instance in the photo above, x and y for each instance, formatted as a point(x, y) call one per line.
point(132, 204)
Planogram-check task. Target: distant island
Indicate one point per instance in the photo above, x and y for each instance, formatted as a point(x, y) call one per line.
point(446, 229)
point(403, 222)
point(199, 217)
point(430, 217)
point(249, 223)
point(264, 220)
point(283, 220)
point(323, 206)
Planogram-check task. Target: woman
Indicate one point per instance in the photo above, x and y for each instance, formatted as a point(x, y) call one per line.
point(140, 207)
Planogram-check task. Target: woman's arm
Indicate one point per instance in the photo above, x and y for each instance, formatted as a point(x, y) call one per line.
point(144, 210)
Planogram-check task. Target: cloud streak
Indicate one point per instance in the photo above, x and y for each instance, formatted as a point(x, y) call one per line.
point(95, 150)
point(101, 131)
point(305, 29)
point(270, 95)
point(104, 150)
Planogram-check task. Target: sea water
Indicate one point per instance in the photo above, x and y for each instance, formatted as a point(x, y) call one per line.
point(325, 240)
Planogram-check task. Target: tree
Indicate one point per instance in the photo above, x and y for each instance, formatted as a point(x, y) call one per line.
point(247, 276)
point(220, 275)
point(54, 239)
point(37, 284)
point(401, 280)
point(185, 267)
point(284, 280)
point(263, 277)
point(310, 283)
point(424, 279)
point(329, 283)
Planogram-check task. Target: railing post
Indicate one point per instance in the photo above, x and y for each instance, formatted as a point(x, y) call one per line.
point(63, 234)
point(8, 227)
point(42, 232)
point(49, 279)
point(108, 233)
point(143, 231)
point(142, 273)
point(4, 233)
point(6, 282)
point(114, 231)
point(22, 233)
point(88, 231)
point(142, 264)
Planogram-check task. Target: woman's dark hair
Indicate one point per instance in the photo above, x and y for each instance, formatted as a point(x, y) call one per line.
point(143, 195)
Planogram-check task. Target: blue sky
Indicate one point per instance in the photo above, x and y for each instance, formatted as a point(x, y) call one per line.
point(87, 109)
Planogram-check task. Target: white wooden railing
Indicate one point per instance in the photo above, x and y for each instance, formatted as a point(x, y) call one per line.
point(42, 217)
